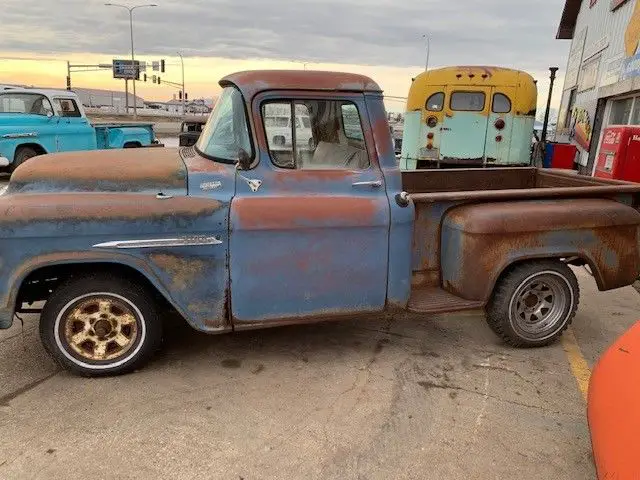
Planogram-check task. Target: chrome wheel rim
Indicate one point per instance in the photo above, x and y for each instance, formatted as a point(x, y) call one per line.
point(100, 328)
point(539, 307)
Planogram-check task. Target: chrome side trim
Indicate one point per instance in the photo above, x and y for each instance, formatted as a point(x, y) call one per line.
point(20, 135)
point(161, 242)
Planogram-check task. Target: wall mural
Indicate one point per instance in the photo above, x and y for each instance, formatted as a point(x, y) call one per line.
point(581, 127)
point(631, 66)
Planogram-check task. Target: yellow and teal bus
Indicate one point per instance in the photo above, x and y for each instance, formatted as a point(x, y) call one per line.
point(469, 116)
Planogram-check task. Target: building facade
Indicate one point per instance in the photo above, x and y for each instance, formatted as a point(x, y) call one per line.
point(602, 79)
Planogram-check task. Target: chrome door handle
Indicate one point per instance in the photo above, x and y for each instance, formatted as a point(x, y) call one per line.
point(376, 184)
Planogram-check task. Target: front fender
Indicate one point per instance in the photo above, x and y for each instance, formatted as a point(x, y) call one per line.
point(480, 241)
point(56, 229)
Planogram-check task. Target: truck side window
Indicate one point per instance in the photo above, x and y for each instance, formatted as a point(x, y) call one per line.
point(435, 103)
point(67, 107)
point(317, 135)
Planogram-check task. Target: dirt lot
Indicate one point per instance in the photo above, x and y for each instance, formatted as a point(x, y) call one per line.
point(409, 397)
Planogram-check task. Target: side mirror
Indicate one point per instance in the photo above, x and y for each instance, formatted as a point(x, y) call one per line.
point(49, 114)
point(244, 160)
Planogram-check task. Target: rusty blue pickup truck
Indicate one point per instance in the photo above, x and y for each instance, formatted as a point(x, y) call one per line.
point(246, 230)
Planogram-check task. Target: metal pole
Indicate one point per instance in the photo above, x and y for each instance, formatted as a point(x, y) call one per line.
point(133, 61)
point(184, 107)
point(68, 75)
point(126, 96)
point(428, 40)
point(545, 125)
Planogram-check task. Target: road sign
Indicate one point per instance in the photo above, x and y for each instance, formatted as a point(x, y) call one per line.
point(155, 66)
point(126, 69)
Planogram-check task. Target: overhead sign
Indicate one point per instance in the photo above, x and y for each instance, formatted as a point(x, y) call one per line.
point(127, 69)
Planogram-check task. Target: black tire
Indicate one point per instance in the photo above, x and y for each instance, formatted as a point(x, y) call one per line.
point(534, 303)
point(132, 145)
point(78, 309)
point(22, 155)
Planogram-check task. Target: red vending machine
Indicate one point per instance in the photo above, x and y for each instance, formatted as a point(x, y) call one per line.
point(619, 156)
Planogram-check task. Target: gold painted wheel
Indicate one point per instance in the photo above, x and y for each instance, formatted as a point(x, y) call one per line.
point(100, 328)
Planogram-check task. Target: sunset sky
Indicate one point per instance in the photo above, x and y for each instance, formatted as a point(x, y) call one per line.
point(380, 38)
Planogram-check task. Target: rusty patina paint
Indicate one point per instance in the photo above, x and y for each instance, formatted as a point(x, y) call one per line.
point(99, 206)
point(283, 213)
point(103, 170)
point(480, 241)
point(184, 271)
point(252, 82)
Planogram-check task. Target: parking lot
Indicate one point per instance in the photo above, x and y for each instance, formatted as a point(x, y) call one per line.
point(406, 397)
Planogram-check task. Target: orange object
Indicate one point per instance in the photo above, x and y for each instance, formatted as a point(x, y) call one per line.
point(614, 409)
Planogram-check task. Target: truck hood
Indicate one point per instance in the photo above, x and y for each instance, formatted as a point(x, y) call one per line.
point(148, 170)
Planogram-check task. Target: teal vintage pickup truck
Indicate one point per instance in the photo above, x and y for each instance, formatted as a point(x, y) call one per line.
point(36, 122)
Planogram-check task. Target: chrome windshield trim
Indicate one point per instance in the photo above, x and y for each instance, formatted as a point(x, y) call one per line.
point(161, 242)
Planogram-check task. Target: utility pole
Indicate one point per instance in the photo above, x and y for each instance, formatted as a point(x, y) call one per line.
point(68, 75)
point(545, 125)
point(184, 106)
point(133, 59)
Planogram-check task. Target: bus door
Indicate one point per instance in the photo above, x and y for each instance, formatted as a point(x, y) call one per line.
point(498, 148)
point(464, 130)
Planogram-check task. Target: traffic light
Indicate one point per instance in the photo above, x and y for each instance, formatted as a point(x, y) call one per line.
point(159, 80)
point(162, 66)
point(186, 96)
point(145, 77)
point(179, 94)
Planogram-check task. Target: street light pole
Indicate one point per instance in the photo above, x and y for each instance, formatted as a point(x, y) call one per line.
point(133, 59)
point(184, 109)
point(428, 40)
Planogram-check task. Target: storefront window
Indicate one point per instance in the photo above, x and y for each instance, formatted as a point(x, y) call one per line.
point(620, 111)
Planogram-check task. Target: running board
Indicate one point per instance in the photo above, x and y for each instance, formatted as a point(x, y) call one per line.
point(436, 300)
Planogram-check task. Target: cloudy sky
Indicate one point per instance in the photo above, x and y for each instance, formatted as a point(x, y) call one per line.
point(382, 38)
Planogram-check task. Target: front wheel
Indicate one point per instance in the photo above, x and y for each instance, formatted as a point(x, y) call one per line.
point(534, 303)
point(96, 326)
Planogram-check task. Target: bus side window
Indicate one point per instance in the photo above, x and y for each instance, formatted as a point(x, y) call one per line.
point(501, 103)
point(435, 103)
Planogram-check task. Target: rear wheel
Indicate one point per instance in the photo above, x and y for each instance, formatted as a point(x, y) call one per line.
point(534, 303)
point(97, 326)
point(22, 155)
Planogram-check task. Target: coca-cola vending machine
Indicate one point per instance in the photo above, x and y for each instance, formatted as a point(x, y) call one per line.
point(619, 156)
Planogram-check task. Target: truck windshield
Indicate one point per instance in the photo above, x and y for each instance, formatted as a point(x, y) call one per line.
point(227, 131)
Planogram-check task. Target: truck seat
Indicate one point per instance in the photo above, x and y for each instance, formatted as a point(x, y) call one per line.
point(333, 155)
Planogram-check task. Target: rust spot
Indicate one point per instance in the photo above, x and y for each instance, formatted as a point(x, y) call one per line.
point(22, 208)
point(183, 270)
point(381, 134)
point(199, 164)
point(282, 213)
point(146, 166)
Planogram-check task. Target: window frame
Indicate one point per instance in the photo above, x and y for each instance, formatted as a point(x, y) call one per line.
point(484, 102)
point(444, 100)
point(292, 103)
point(33, 94)
point(344, 130)
point(493, 103)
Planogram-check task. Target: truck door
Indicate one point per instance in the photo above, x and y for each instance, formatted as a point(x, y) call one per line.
point(74, 132)
point(310, 223)
point(500, 129)
point(464, 130)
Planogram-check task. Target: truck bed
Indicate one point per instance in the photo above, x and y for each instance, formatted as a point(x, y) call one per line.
point(508, 184)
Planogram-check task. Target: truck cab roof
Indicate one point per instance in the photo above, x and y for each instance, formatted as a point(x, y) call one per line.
point(253, 82)
point(48, 92)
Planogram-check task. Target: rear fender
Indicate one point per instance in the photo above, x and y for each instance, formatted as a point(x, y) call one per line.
point(479, 242)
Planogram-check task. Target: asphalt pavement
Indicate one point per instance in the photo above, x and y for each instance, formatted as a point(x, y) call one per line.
point(408, 397)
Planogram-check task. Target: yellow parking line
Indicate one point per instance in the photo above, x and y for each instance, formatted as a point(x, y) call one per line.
point(579, 366)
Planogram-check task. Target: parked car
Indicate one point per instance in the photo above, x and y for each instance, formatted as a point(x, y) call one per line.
point(34, 122)
point(233, 235)
point(190, 130)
